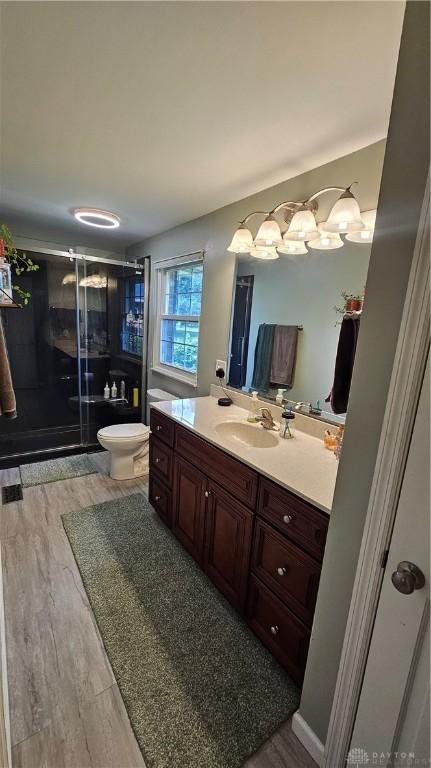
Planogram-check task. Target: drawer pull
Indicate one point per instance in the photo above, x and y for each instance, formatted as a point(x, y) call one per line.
point(159, 428)
point(207, 494)
point(281, 571)
point(157, 498)
point(287, 519)
point(274, 629)
point(157, 461)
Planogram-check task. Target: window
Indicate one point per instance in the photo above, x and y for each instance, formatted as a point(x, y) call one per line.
point(132, 315)
point(180, 299)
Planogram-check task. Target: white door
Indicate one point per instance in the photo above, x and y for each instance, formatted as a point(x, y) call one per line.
point(393, 718)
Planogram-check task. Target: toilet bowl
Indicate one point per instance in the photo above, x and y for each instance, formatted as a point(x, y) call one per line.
point(128, 445)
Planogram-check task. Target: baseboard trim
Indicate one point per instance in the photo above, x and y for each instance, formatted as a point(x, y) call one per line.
point(308, 738)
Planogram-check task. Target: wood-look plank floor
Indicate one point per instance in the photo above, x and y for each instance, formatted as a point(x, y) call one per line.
point(65, 707)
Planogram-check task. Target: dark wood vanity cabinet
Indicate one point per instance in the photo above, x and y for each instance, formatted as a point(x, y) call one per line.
point(260, 544)
point(228, 532)
point(188, 514)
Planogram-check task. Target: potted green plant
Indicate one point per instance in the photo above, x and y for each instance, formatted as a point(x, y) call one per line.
point(352, 303)
point(18, 261)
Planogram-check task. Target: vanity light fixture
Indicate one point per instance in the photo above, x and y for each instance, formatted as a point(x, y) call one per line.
point(269, 233)
point(345, 218)
point(93, 281)
point(95, 217)
point(267, 253)
point(365, 235)
point(292, 247)
point(326, 241)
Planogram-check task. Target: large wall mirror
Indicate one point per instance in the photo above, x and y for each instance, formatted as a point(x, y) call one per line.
point(287, 316)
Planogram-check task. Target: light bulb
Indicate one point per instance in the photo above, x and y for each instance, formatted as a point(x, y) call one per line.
point(292, 247)
point(327, 241)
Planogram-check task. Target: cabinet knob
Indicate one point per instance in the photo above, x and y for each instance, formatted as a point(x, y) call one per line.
point(157, 461)
point(274, 629)
point(281, 571)
point(207, 494)
point(157, 498)
point(159, 428)
point(287, 519)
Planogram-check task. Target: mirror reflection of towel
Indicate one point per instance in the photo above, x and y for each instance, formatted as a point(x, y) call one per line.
point(284, 355)
point(263, 357)
point(7, 395)
point(339, 396)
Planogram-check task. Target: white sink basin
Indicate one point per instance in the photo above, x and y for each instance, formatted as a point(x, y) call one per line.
point(254, 436)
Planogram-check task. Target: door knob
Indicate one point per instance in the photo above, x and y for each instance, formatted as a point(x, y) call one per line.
point(407, 578)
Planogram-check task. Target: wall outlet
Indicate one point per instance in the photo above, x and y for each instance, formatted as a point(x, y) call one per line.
point(221, 364)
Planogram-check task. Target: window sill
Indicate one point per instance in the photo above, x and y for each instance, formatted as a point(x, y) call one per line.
point(171, 373)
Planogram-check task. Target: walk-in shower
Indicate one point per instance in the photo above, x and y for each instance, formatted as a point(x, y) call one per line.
point(84, 327)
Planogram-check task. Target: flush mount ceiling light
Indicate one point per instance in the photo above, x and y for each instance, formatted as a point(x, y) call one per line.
point(94, 217)
point(345, 218)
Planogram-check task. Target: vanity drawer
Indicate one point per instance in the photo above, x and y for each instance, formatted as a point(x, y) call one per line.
point(161, 499)
point(161, 459)
point(285, 635)
point(287, 570)
point(162, 426)
point(301, 522)
point(231, 474)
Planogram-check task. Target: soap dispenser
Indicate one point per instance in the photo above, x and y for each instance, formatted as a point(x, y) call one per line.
point(279, 396)
point(252, 414)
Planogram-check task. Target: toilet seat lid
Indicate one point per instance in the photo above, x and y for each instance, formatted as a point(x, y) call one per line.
point(124, 430)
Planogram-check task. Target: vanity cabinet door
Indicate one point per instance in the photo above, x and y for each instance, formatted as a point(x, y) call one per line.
point(189, 507)
point(228, 532)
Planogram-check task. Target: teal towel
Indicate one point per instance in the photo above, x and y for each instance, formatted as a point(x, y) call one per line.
point(263, 357)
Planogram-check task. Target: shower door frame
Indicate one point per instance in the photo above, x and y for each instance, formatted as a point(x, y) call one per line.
point(76, 257)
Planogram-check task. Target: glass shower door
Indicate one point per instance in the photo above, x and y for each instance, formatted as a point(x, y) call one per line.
point(113, 299)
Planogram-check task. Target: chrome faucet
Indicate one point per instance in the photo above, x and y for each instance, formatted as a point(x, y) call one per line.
point(266, 419)
point(300, 405)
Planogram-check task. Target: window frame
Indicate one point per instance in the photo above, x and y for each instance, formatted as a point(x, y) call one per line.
point(162, 267)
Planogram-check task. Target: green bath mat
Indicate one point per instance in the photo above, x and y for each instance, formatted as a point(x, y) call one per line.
point(200, 690)
point(55, 469)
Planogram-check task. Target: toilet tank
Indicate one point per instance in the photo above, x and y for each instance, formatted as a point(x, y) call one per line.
point(157, 396)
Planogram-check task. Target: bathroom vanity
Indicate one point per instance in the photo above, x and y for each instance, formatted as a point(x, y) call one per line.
point(229, 498)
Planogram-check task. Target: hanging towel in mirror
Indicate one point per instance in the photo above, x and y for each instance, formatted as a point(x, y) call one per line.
point(263, 357)
point(284, 355)
point(7, 395)
point(339, 396)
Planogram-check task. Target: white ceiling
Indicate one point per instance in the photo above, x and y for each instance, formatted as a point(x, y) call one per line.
point(163, 111)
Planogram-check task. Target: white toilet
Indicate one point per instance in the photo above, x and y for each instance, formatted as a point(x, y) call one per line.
point(128, 445)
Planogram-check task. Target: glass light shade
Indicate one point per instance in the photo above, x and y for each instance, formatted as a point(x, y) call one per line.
point(302, 227)
point(269, 233)
point(293, 247)
point(242, 240)
point(364, 235)
point(327, 241)
point(345, 215)
point(266, 253)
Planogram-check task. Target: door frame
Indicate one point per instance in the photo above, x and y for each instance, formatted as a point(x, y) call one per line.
point(406, 381)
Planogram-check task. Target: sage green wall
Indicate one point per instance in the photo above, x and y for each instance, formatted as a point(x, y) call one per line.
point(212, 233)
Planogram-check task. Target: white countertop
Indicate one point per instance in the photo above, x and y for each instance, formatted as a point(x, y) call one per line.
point(302, 465)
